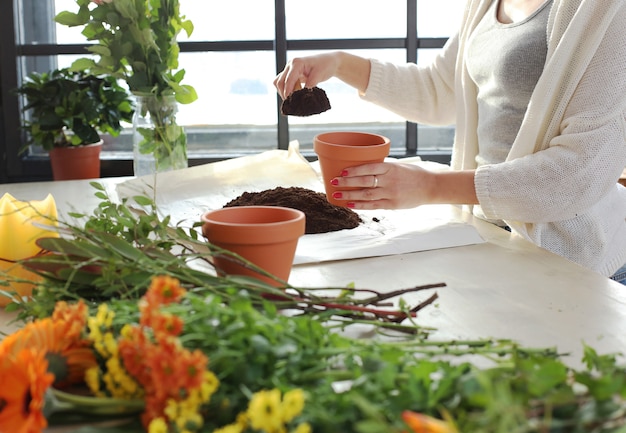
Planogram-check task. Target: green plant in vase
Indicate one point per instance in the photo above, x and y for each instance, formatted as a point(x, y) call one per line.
point(136, 41)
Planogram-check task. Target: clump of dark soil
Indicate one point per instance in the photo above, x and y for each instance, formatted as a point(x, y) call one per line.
point(306, 102)
point(321, 216)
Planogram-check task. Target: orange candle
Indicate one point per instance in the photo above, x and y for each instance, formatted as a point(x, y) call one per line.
point(18, 235)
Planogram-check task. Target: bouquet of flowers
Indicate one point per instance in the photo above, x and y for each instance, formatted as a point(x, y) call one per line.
point(170, 348)
point(136, 41)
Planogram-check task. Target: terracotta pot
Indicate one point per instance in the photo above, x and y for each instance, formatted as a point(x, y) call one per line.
point(76, 162)
point(264, 235)
point(339, 150)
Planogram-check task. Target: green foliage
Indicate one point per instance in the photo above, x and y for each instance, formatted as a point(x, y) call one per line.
point(72, 108)
point(136, 41)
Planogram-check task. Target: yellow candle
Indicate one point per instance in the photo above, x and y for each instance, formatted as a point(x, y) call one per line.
point(18, 233)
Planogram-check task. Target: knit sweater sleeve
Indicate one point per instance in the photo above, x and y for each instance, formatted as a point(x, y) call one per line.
point(418, 94)
point(583, 161)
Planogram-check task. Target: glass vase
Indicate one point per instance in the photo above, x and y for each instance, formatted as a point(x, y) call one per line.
point(159, 142)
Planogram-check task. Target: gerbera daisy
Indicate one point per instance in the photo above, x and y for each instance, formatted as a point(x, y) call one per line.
point(68, 358)
point(25, 379)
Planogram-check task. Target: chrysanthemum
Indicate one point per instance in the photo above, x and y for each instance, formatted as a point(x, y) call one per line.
point(293, 403)
point(25, 379)
point(304, 427)
point(264, 411)
point(164, 290)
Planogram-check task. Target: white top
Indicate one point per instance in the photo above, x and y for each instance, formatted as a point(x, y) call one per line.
point(558, 187)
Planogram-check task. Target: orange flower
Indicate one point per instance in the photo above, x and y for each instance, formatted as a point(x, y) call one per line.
point(154, 356)
point(68, 356)
point(165, 323)
point(24, 379)
point(74, 316)
point(164, 290)
point(420, 423)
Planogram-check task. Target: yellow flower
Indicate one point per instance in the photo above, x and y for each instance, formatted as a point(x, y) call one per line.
point(264, 411)
point(92, 379)
point(104, 316)
point(158, 425)
point(231, 428)
point(209, 385)
point(293, 403)
point(304, 427)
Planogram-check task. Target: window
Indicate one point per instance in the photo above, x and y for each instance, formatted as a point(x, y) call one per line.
point(231, 59)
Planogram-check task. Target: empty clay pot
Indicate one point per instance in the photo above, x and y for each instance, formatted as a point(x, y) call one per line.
point(264, 235)
point(339, 150)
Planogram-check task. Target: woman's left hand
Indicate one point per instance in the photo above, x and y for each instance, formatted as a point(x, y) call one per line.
point(387, 185)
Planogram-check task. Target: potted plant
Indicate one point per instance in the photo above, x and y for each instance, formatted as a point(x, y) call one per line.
point(66, 113)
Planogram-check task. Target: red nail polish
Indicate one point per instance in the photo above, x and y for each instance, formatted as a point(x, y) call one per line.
point(344, 172)
point(334, 182)
point(337, 194)
point(350, 204)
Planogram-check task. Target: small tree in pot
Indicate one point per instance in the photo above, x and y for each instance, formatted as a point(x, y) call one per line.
point(67, 109)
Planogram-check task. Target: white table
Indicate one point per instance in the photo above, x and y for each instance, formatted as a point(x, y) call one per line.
point(504, 288)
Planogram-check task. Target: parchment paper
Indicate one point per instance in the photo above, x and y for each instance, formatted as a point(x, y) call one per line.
point(186, 194)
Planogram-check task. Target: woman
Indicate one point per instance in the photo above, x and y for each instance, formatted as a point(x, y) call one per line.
point(537, 91)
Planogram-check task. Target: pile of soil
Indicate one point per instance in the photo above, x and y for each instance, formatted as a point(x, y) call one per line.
point(321, 216)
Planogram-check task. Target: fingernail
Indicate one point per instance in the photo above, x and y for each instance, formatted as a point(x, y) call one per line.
point(344, 172)
point(350, 204)
point(334, 182)
point(337, 194)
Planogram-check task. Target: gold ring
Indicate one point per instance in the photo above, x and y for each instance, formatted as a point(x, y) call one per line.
point(375, 182)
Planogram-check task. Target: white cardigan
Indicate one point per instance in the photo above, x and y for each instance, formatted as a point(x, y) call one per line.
point(558, 187)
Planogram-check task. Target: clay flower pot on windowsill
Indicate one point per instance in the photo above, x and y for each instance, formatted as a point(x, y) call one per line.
point(339, 150)
point(266, 236)
point(76, 162)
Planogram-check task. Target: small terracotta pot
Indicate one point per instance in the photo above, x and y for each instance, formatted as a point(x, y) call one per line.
point(339, 150)
point(264, 235)
point(76, 162)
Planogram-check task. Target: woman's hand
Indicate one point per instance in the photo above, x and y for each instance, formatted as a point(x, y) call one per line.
point(312, 70)
point(395, 185)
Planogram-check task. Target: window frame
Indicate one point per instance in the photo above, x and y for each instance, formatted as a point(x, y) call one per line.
point(36, 167)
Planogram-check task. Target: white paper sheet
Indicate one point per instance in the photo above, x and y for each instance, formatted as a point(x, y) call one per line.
point(186, 194)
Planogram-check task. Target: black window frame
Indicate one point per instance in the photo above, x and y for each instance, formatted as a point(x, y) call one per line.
point(17, 168)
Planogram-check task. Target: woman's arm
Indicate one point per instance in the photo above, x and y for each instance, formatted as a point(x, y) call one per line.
point(312, 70)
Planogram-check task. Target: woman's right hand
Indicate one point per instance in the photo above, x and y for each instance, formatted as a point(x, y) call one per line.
point(310, 71)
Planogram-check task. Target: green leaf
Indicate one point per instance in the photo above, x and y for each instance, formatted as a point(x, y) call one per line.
point(69, 19)
point(185, 94)
point(82, 64)
point(100, 50)
point(143, 200)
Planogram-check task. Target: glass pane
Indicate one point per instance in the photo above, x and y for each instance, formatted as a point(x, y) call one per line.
point(441, 18)
point(213, 21)
point(232, 20)
point(345, 19)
